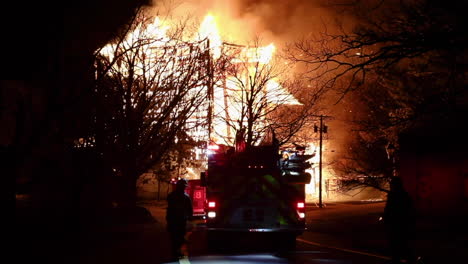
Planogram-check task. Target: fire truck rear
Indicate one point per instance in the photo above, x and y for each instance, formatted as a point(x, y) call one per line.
point(254, 191)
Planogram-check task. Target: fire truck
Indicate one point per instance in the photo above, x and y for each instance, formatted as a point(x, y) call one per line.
point(255, 190)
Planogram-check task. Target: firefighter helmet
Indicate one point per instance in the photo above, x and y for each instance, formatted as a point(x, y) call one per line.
point(182, 182)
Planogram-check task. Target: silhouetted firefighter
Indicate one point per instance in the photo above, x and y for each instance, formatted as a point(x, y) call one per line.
point(399, 219)
point(179, 211)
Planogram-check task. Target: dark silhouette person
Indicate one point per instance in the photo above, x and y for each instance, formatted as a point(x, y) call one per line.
point(179, 211)
point(399, 220)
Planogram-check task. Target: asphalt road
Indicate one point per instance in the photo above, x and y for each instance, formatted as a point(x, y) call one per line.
point(331, 238)
point(337, 233)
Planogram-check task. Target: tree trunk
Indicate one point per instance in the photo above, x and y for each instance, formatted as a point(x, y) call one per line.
point(128, 186)
point(159, 189)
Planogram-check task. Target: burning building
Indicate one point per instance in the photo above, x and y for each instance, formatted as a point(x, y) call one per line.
point(242, 88)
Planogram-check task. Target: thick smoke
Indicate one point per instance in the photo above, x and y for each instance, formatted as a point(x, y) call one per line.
point(275, 21)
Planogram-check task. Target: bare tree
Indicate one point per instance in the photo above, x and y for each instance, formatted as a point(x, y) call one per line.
point(149, 83)
point(177, 159)
point(258, 96)
point(401, 63)
point(386, 36)
point(364, 164)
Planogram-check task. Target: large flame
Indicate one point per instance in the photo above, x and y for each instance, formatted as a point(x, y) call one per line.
point(209, 30)
point(252, 56)
point(261, 54)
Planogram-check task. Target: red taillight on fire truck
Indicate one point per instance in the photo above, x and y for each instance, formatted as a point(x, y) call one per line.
point(300, 208)
point(213, 147)
point(211, 214)
point(211, 209)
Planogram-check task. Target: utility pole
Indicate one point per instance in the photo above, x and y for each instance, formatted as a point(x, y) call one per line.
point(210, 89)
point(320, 162)
point(321, 129)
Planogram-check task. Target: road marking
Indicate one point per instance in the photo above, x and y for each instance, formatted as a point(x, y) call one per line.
point(184, 260)
point(343, 249)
